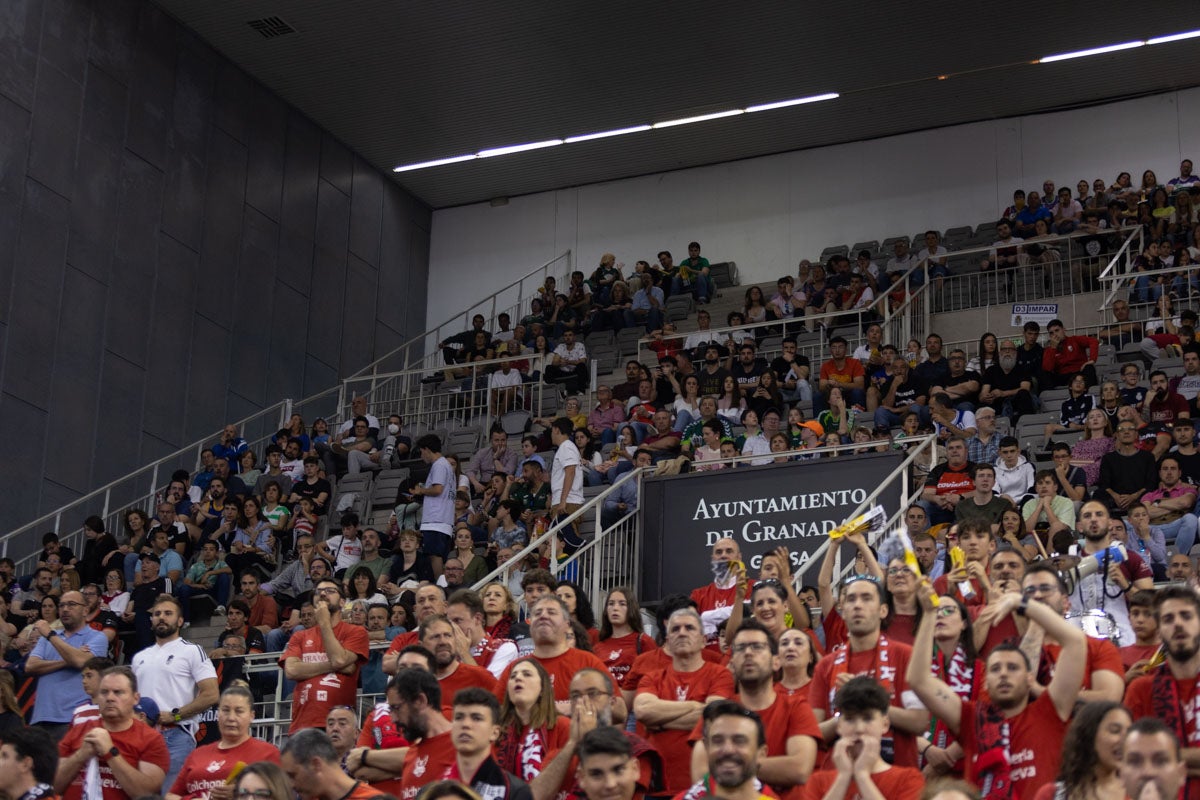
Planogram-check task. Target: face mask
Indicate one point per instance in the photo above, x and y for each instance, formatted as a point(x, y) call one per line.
point(720, 571)
point(393, 429)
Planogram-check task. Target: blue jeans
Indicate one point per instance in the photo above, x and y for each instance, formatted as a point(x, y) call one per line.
point(180, 745)
point(1146, 291)
point(682, 420)
point(889, 419)
point(277, 639)
point(219, 593)
point(1181, 532)
point(698, 287)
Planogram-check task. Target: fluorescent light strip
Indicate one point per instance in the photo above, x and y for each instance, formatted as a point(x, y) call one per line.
point(1174, 37)
point(518, 148)
point(816, 98)
point(703, 118)
point(587, 137)
point(437, 163)
point(1095, 51)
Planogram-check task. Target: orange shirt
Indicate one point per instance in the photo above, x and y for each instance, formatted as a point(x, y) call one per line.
point(315, 696)
point(561, 669)
point(675, 686)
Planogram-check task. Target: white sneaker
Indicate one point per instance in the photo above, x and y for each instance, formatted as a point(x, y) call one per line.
point(219, 611)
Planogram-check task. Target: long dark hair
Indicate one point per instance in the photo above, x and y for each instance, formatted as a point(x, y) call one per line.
point(583, 605)
point(1077, 768)
point(371, 586)
point(966, 640)
point(633, 617)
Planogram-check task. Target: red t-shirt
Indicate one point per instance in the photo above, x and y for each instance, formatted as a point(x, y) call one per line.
point(263, 611)
point(619, 652)
point(788, 716)
point(900, 628)
point(561, 669)
point(139, 742)
point(890, 673)
point(675, 686)
point(379, 732)
point(655, 661)
point(314, 697)
point(896, 783)
point(210, 765)
point(835, 629)
point(1034, 744)
point(464, 677)
point(425, 763)
point(941, 585)
point(1002, 631)
point(1133, 653)
point(710, 598)
point(951, 480)
point(1139, 700)
point(1101, 655)
point(402, 641)
point(852, 368)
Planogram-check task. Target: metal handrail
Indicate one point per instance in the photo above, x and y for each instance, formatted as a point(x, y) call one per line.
point(436, 332)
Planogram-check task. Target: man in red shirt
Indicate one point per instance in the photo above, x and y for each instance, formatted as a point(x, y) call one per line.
point(132, 756)
point(791, 729)
point(715, 600)
point(315, 772)
point(669, 703)
point(1170, 691)
point(264, 613)
point(429, 601)
point(869, 652)
point(1065, 355)
point(438, 637)
point(1162, 406)
point(549, 621)
point(735, 740)
point(325, 660)
point(475, 728)
point(1010, 738)
point(948, 483)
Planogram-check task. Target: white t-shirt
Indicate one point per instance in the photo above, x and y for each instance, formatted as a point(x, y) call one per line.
point(347, 552)
point(567, 455)
point(293, 469)
point(169, 673)
point(437, 511)
point(348, 425)
point(498, 380)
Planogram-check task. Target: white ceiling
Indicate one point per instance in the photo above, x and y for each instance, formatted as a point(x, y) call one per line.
point(405, 82)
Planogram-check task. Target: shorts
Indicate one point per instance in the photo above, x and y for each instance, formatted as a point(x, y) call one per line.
point(435, 543)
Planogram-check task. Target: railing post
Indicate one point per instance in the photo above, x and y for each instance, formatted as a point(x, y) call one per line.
point(597, 555)
point(285, 413)
point(107, 499)
point(154, 479)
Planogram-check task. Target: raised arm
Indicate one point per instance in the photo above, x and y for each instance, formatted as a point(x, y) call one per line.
point(939, 698)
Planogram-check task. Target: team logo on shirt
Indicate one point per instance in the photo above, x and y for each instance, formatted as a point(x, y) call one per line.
point(215, 766)
point(681, 693)
point(419, 767)
point(614, 655)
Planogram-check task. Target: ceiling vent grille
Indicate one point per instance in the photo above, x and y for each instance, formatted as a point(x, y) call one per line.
point(271, 27)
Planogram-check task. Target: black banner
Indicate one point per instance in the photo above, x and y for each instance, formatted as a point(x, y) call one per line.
point(794, 504)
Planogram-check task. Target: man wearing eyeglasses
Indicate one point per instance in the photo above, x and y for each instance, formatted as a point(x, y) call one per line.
point(1029, 729)
point(324, 660)
point(57, 659)
point(99, 619)
point(791, 729)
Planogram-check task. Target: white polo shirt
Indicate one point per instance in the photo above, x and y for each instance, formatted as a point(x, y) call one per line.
point(168, 674)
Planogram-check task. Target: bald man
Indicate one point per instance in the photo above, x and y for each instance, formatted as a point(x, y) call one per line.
point(715, 600)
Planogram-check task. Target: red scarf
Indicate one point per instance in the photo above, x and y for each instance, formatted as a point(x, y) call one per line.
point(993, 772)
point(882, 669)
point(962, 678)
point(1164, 701)
point(524, 754)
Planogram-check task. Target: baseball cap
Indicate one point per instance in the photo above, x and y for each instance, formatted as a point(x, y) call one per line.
point(148, 707)
point(814, 426)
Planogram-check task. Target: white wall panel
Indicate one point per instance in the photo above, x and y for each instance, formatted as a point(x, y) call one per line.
point(768, 213)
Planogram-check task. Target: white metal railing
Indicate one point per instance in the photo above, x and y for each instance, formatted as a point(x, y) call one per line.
point(422, 351)
point(143, 486)
point(463, 395)
point(1066, 273)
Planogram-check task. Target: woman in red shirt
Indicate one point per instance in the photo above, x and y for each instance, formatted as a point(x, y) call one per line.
point(531, 730)
point(1091, 754)
point(622, 636)
point(205, 771)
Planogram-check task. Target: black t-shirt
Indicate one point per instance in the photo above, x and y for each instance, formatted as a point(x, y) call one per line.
point(421, 571)
point(910, 390)
point(255, 641)
point(1030, 361)
point(933, 372)
point(1189, 466)
point(781, 366)
point(313, 491)
point(666, 392)
point(712, 384)
point(1003, 381)
point(748, 376)
point(966, 377)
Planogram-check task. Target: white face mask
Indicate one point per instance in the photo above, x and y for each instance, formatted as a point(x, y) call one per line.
point(393, 429)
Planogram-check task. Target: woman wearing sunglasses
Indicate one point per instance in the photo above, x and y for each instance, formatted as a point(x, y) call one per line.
point(197, 780)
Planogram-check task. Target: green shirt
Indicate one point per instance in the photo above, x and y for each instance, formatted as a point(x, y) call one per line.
point(199, 568)
point(378, 565)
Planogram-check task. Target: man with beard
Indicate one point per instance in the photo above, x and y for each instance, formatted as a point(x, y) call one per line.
point(1108, 589)
point(735, 742)
point(1005, 571)
point(1162, 405)
point(1152, 762)
point(1006, 388)
point(179, 676)
point(712, 376)
point(1030, 730)
point(1170, 691)
point(858, 770)
point(415, 701)
point(324, 660)
point(869, 652)
point(438, 637)
point(670, 702)
point(791, 730)
point(549, 621)
point(475, 728)
point(131, 755)
point(313, 769)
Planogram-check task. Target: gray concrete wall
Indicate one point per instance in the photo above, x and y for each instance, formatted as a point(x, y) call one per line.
point(178, 248)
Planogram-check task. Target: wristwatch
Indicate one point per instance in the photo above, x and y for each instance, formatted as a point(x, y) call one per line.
point(175, 715)
point(1022, 607)
point(113, 752)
